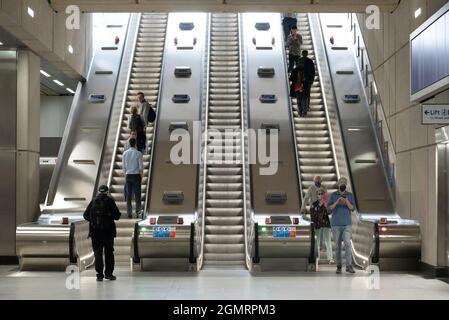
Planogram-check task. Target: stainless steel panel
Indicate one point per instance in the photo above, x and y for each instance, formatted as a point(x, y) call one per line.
point(8, 98)
point(119, 103)
point(82, 245)
point(443, 204)
point(86, 129)
point(162, 253)
point(165, 175)
point(279, 113)
point(375, 197)
point(8, 202)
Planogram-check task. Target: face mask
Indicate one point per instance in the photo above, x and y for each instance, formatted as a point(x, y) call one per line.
point(318, 184)
point(320, 197)
point(342, 188)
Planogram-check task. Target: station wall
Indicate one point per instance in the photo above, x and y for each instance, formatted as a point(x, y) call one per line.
point(416, 154)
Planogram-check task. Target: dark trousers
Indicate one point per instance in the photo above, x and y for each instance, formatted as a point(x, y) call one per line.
point(141, 141)
point(133, 186)
point(293, 61)
point(287, 24)
point(303, 98)
point(103, 243)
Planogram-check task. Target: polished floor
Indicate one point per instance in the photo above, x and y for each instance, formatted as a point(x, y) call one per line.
point(220, 284)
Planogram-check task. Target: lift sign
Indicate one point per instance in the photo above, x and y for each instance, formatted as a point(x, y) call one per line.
point(164, 232)
point(284, 232)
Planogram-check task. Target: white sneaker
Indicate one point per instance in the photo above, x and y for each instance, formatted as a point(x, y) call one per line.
point(331, 261)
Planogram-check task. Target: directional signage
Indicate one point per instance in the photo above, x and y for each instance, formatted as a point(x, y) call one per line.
point(435, 114)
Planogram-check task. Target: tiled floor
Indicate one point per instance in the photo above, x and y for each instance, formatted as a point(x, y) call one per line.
point(219, 284)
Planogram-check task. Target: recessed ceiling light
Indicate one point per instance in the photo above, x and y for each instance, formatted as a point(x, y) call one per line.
point(1, 43)
point(70, 90)
point(354, 129)
point(70, 49)
point(30, 12)
point(418, 12)
point(45, 74)
point(59, 83)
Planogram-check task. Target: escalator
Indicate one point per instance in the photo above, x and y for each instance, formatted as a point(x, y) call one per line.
point(380, 236)
point(93, 143)
point(145, 77)
point(315, 150)
point(224, 221)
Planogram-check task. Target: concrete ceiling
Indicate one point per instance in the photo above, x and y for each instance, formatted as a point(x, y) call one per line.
point(48, 86)
point(224, 5)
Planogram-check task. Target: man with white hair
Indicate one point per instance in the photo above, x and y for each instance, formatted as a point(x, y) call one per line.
point(341, 203)
point(311, 195)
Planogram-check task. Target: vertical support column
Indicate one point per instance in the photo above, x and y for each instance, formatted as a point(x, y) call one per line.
point(28, 133)
point(8, 105)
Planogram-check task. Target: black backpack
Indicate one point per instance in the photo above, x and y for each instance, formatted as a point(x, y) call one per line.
point(136, 123)
point(100, 215)
point(151, 115)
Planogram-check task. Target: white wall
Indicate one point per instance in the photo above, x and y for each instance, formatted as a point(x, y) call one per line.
point(54, 113)
point(389, 51)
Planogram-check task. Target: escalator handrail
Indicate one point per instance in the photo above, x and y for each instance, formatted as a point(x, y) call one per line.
point(256, 258)
point(192, 258)
point(205, 137)
point(242, 137)
point(290, 107)
point(323, 93)
point(155, 125)
point(122, 112)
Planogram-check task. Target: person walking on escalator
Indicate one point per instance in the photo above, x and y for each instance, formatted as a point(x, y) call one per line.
point(321, 223)
point(294, 42)
point(308, 66)
point(341, 204)
point(137, 124)
point(146, 111)
point(102, 212)
point(312, 193)
point(297, 90)
point(288, 21)
point(133, 169)
point(132, 135)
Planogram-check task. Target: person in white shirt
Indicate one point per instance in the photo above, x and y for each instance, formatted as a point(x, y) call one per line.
point(133, 169)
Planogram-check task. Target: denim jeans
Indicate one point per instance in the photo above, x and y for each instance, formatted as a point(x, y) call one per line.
point(133, 186)
point(343, 233)
point(325, 235)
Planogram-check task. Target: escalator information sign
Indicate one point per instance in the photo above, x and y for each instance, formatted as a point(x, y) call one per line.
point(284, 232)
point(164, 232)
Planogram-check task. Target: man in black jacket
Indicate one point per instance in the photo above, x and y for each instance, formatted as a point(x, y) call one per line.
point(101, 213)
point(309, 75)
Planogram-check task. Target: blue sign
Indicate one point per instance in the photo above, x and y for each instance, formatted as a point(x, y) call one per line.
point(284, 232)
point(97, 98)
point(181, 98)
point(164, 232)
point(351, 98)
point(268, 98)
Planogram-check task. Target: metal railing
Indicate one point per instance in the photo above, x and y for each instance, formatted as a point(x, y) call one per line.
point(244, 137)
point(153, 143)
point(323, 93)
point(292, 118)
point(203, 168)
point(122, 111)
